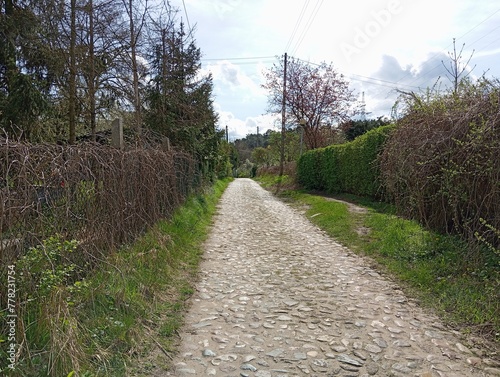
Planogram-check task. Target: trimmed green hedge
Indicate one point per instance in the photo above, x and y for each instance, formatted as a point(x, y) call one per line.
point(351, 167)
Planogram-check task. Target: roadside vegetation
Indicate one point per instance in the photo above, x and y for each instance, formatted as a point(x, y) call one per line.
point(120, 320)
point(431, 186)
point(96, 258)
point(99, 245)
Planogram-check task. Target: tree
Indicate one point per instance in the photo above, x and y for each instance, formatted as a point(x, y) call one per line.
point(456, 69)
point(260, 156)
point(137, 21)
point(64, 64)
point(72, 74)
point(179, 101)
point(104, 59)
point(227, 160)
point(316, 97)
point(291, 148)
point(354, 128)
point(245, 146)
point(23, 71)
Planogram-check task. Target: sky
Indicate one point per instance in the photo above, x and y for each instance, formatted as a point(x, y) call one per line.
point(378, 45)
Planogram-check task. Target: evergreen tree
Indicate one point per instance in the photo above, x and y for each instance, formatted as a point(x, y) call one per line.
point(179, 101)
point(23, 69)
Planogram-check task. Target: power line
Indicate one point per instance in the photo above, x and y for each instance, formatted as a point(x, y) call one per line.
point(484, 36)
point(308, 25)
point(437, 54)
point(495, 42)
point(352, 76)
point(297, 23)
point(266, 60)
point(483, 21)
point(377, 81)
point(248, 58)
point(471, 44)
point(386, 83)
point(187, 18)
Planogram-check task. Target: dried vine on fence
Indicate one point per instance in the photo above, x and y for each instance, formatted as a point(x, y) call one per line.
point(97, 195)
point(442, 165)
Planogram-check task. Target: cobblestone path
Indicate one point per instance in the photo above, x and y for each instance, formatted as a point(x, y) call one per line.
point(279, 298)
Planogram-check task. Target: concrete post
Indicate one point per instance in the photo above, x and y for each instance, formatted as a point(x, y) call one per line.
point(166, 144)
point(117, 134)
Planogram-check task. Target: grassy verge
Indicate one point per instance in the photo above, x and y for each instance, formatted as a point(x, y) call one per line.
point(122, 320)
point(137, 304)
point(460, 282)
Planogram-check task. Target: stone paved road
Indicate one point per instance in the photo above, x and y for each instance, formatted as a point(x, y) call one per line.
point(278, 298)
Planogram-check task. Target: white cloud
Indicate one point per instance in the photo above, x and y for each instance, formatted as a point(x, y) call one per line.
point(232, 77)
point(481, 54)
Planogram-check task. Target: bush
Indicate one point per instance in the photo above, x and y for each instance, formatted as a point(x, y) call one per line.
point(351, 167)
point(442, 165)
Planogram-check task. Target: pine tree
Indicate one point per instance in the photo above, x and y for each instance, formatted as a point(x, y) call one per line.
point(22, 69)
point(179, 101)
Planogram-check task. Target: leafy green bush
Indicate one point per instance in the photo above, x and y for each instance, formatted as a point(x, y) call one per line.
point(351, 167)
point(46, 288)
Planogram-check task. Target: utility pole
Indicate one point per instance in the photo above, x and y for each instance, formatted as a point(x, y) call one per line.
point(283, 126)
point(227, 134)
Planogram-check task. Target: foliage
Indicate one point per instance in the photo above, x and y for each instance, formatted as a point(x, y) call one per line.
point(441, 166)
point(245, 146)
point(261, 156)
point(317, 97)
point(46, 267)
point(179, 102)
point(100, 197)
point(23, 85)
point(264, 150)
point(68, 68)
point(134, 305)
point(45, 285)
point(350, 167)
point(227, 160)
point(246, 170)
point(354, 128)
point(97, 194)
point(104, 324)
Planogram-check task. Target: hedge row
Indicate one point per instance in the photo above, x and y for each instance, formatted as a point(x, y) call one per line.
point(351, 167)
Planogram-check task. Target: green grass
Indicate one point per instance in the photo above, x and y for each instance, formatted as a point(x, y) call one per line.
point(458, 281)
point(147, 289)
point(271, 181)
point(122, 320)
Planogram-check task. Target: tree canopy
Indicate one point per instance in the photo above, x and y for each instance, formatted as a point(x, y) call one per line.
point(317, 97)
point(67, 68)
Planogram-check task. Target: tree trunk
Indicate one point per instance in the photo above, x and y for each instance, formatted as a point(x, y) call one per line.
point(92, 74)
point(135, 73)
point(72, 76)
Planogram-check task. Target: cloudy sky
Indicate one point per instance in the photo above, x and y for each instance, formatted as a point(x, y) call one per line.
point(379, 45)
